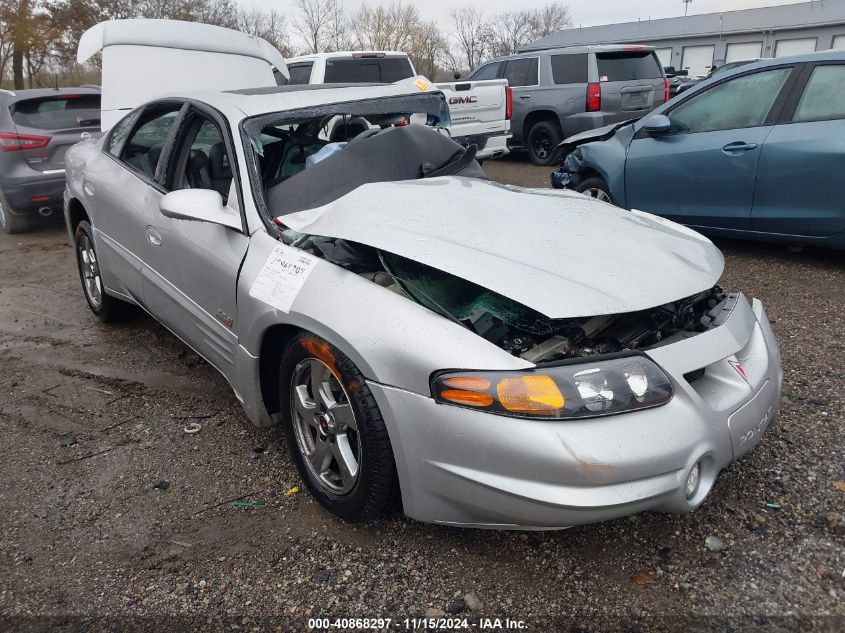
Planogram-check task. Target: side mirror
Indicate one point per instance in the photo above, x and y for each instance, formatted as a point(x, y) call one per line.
point(658, 124)
point(456, 75)
point(199, 205)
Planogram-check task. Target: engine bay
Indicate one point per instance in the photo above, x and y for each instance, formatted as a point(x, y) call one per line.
point(512, 326)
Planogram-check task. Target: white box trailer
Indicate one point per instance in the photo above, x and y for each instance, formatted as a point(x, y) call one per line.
point(139, 63)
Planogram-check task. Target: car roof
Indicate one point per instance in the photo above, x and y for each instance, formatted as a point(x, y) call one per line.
point(778, 61)
point(344, 54)
point(239, 104)
point(588, 48)
point(35, 93)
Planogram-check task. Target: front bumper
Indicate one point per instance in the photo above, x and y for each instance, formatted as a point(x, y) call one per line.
point(470, 468)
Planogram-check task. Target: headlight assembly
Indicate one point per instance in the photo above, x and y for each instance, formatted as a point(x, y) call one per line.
point(580, 389)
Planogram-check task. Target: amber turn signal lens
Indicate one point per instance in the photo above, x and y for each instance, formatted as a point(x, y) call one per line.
point(530, 394)
point(473, 383)
point(467, 398)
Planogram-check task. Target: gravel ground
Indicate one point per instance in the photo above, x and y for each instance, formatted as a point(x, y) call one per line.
point(112, 516)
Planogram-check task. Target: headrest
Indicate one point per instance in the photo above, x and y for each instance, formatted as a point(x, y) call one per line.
point(197, 160)
point(218, 162)
point(154, 154)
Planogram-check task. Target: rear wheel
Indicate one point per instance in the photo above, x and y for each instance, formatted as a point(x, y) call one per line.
point(105, 307)
point(595, 188)
point(10, 222)
point(542, 139)
point(335, 431)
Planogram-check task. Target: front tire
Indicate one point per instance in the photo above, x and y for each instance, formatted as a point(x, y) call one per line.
point(10, 222)
point(542, 139)
point(105, 307)
point(335, 431)
point(595, 188)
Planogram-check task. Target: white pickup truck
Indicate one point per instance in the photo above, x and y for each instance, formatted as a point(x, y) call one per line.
point(480, 110)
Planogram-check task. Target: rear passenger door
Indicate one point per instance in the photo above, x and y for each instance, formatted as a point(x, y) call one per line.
point(702, 171)
point(123, 189)
point(523, 75)
point(800, 186)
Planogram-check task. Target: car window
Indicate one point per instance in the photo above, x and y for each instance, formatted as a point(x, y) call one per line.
point(58, 113)
point(204, 161)
point(143, 148)
point(628, 66)
point(736, 103)
point(521, 72)
point(488, 71)
point(367, 70)
point(824, 95)
point(300, 73)
point(119, 132)
point(569, 69)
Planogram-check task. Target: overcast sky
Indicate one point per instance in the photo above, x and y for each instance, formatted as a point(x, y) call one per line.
point(584, 12)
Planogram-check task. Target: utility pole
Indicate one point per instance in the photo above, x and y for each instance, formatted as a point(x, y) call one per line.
point(686, 5)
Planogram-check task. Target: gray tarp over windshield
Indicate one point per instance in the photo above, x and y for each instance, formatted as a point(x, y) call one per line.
point(393, 154)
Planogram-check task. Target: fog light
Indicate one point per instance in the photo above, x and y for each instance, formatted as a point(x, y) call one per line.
point(692, 480)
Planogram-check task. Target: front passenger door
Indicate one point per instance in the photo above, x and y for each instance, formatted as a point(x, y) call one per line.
point(191, 267)
point(702, 171)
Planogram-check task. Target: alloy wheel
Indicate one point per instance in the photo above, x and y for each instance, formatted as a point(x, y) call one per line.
point(90, 271)
point(325, 426)
point(2, 215)
point(598, 194)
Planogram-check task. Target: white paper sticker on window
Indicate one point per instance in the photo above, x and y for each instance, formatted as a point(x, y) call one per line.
point(282, 277)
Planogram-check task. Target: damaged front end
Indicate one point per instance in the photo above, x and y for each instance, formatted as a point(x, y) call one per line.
point(581, 153)
point(518, 329)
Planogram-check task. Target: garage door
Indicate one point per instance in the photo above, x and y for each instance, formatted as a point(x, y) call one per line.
point(802, 46)
point(665, 56)
point(745, 50)
point(698, 60)
point(839, 42)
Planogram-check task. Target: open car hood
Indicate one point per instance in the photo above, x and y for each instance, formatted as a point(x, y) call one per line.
point(560, 253)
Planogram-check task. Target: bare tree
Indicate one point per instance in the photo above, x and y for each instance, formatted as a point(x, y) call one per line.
point(427, 49)
point(313, 23)
point(271, 26)
point(469, 32)
point(546, 20)
point(338, 33)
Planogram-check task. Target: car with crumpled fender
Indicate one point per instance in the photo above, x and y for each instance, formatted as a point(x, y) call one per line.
point(482, 354)
point(754, 152)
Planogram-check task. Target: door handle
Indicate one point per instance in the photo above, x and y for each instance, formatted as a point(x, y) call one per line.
point(87, 187)
point(153, 236)
point(524, 96)
point(738, 146)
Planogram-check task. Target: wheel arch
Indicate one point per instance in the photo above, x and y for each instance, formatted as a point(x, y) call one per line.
point(535, 117)
point(76, 213)
point(273, 344)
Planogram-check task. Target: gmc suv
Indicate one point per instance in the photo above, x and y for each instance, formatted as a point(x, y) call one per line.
point(563, 91)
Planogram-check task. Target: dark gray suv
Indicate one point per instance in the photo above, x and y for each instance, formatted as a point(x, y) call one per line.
point(563, 91)
point(36, 129)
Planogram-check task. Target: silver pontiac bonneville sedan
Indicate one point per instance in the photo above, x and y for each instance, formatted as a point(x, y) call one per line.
point(485, 355)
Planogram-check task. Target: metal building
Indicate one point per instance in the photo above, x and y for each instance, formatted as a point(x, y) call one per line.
point(698, 42)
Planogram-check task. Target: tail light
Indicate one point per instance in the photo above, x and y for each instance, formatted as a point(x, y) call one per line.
point(665, 90)
point(12, 142)
point(593, 97)
point(508, 102)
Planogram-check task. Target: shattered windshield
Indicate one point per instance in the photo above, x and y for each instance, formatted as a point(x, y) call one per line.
point(310, 157)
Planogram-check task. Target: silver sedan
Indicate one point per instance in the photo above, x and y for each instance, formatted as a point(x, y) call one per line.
point(486, 355)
